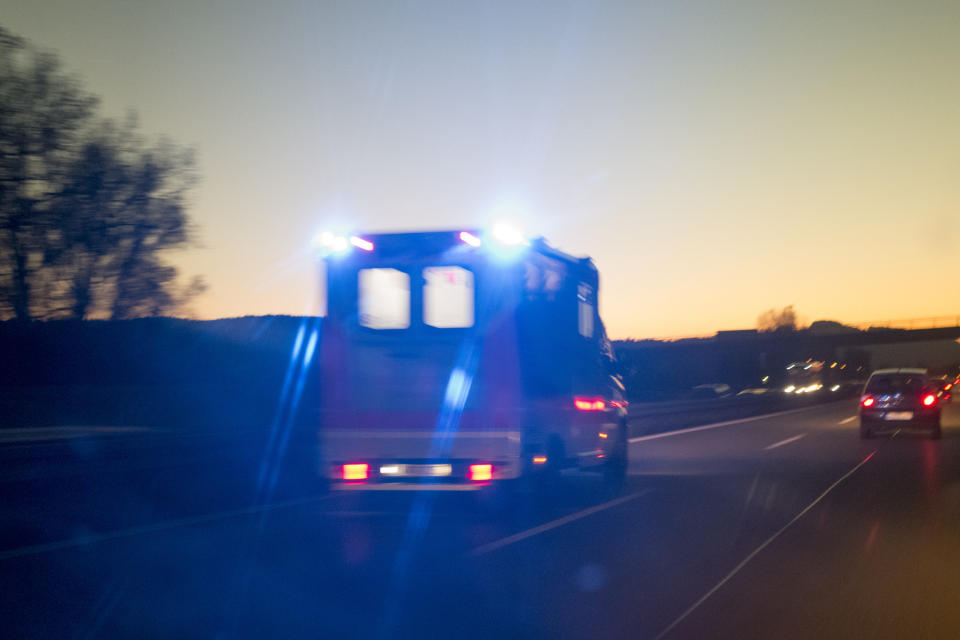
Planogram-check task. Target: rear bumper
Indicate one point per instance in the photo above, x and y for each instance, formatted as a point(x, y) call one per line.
point(457, 475)
point(406, 451)
point(405, 486)
point(878, 418)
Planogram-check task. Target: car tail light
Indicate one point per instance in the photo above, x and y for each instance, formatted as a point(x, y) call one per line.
point(867, 401)
point(480, 472)
point(356, 471)
point(589, 404)
point(929, 400)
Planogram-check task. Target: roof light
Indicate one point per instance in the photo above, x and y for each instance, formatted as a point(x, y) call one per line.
point(470, 239)
point(539, 459)
point(589, 404)
point(507, 235)
point(329, 242)
point(360, 243)
point(480, 472)
point(356, 471)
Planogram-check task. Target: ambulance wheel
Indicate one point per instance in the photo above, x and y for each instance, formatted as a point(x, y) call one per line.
point(615, 468)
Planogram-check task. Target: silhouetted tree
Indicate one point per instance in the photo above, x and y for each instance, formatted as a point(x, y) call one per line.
point(87, 207)
point(778, 320)
point(122, 206)
point(42, 115)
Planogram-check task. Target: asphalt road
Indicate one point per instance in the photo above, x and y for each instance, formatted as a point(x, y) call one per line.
point(785, 526)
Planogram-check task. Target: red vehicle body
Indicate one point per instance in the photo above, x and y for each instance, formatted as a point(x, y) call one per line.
point(451, 360)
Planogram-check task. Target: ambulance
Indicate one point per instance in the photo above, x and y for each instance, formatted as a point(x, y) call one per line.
point(454, 360)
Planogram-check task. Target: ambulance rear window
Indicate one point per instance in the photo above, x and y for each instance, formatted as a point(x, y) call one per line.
point(383, 300)
point(448, 297)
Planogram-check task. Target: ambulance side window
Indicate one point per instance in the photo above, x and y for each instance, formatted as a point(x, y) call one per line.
point(383, 298)
point(585, 310)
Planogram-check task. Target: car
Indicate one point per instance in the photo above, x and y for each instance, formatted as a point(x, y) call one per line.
point(753, 391)
point(710, 391)
point(904, 397)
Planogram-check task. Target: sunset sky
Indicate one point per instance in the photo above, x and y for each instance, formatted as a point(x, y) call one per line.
point(716, 159)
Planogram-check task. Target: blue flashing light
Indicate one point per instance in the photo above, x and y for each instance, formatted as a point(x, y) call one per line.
point(507, 242)
point(508, 235)
point(328, 243)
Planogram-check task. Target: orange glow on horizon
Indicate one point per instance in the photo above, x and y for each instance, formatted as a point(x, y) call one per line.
point(722, 177)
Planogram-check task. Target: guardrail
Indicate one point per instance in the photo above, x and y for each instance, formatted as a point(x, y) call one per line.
point(935, 322)
point(240, 452)
point(660, 417)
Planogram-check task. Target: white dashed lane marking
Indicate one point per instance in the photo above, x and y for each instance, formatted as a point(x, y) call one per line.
point(783, 442)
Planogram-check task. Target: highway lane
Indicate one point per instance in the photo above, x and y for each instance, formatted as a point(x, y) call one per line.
point(874, 553)
point(877, 558)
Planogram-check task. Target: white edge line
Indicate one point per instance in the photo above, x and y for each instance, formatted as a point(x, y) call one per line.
point(553, 524)
point(783, 442)
point(715, 425)
point(766, 543)
point(846, 420)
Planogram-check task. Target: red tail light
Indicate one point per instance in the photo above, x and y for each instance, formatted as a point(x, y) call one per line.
point(480, 473)
point(356, 471)
point(929, 400)
point(867, 401)
point(589, 404)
